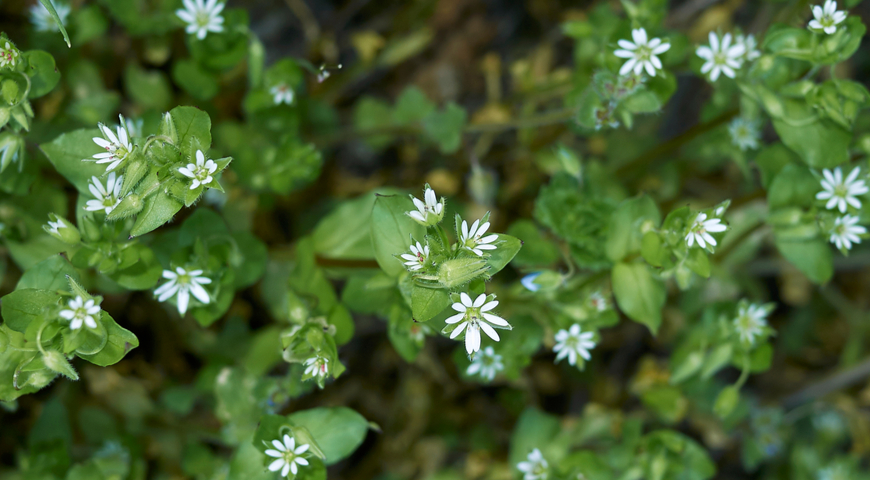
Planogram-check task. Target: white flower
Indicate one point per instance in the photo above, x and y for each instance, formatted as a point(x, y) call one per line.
point(721, 57)
point(133, 126)
point(202, 17)
point(641, 54)
point(470, 238)
point(183, 282)
point(700, 231)
point(8, 55)
point(429, 212)
point(201, 173)
point(827, 18)
point(316, 366)
point(43, 20)
point(846, 231)
point(288, 455)
point(529, 281)
point(474, 316)
point(571, 343)
point(750, 50)
point(487, 364)
point(839, 192)
point(597, 301)
point(282, 93)
point(416, 260)
point(53, 226)
point(107, 197)
point(117, 147)
point(745, 133)
point(750, 322)
point(535, 467)
point(80, 312)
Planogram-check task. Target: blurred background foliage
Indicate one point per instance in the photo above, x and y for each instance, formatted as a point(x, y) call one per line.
point(492, 103)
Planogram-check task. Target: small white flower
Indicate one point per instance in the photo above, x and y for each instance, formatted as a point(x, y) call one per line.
point(745, 133)
point(529, 281)
point(317, 366)
point(53, 226)
point(183, 282)
point(470, 239)
point(133, 126)
point(416, 260)
point(846, 231)
point(827, 18)
point(8, 55)
point(202, 16)
point(487, 364)
point(571, 343)
point(597, 301)
point(700, 231)
point(107, 197)
point(80, 312)
point(474, 316)
point(117, 147)
point(750, 322)
point(43, 20)
point(201, 173)
point(429, 212)
point(288, 455)
point(721, 57)
point(839, 192)
point(750, 47)
point(282, 93)
point(535, 467)
point(641, 54)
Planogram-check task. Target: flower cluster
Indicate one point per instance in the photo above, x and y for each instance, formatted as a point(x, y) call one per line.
point(723, 56)
point(839, 194)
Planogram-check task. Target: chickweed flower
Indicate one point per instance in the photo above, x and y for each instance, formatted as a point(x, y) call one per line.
point(750, 322)
point(8, 55)
point(474, 318)
point(597, 301)
point(202, 16)
point(416, 260)
point(107, 197)
point(80, 313)
point(839, 192)
point(827, 17)
point(470, 238)
point(846, 231)
point(118, 147)
point(535, 467)
point(183, 283)
point(487, 364)
point(43, 21)
point(430, 211)
point(571, 343)
point(317, 366)
point(721, 56)
point(201, 173)
point(700, 231)
point(282, 94)
point(750, 47)
point(745, 133)
point(641, 54)
point(529, 282)
point(288, 456)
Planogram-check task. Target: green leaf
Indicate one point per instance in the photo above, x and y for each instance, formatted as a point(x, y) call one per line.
point(42, 71)
point(667, 402)
point(412, 106)
point(793, 186)
point(506, 249)
point(639, 294)
point(21, 307)
point(819, 142)
point(771, 160)
point(143, 275)
point(49, 274)
point(536, 250)
point(149, 89)
point(426, 303)
point(626, 228)
point(534, 429)
point(50, 7)
point(392, 230)
point(698, 262)
point(726, 402)
point(159, 209)
point(812, 257)
point(120, 341)
point(193, 127)
point(72, 154)
point(344, 233)
point(337, 430)
point(195, 80)
point(445, 128)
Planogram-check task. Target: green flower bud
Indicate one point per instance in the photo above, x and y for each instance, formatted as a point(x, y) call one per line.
point(459, 271)
point(61, 229)
point(726, 402)
point(11, 145)
point(91, 229)
point(129, 206)
point(56, 362)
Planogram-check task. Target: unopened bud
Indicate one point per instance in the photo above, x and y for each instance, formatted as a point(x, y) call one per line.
point(61, 229)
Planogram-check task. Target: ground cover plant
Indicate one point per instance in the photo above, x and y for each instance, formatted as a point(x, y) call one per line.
point(454, 239)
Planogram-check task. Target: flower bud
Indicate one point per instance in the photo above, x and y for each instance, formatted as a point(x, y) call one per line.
point(542, 281)
point(129, 206)
point(91, 229)
point(10, 144)
point(459, 271)
point(56, 362)
point(61, 229)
